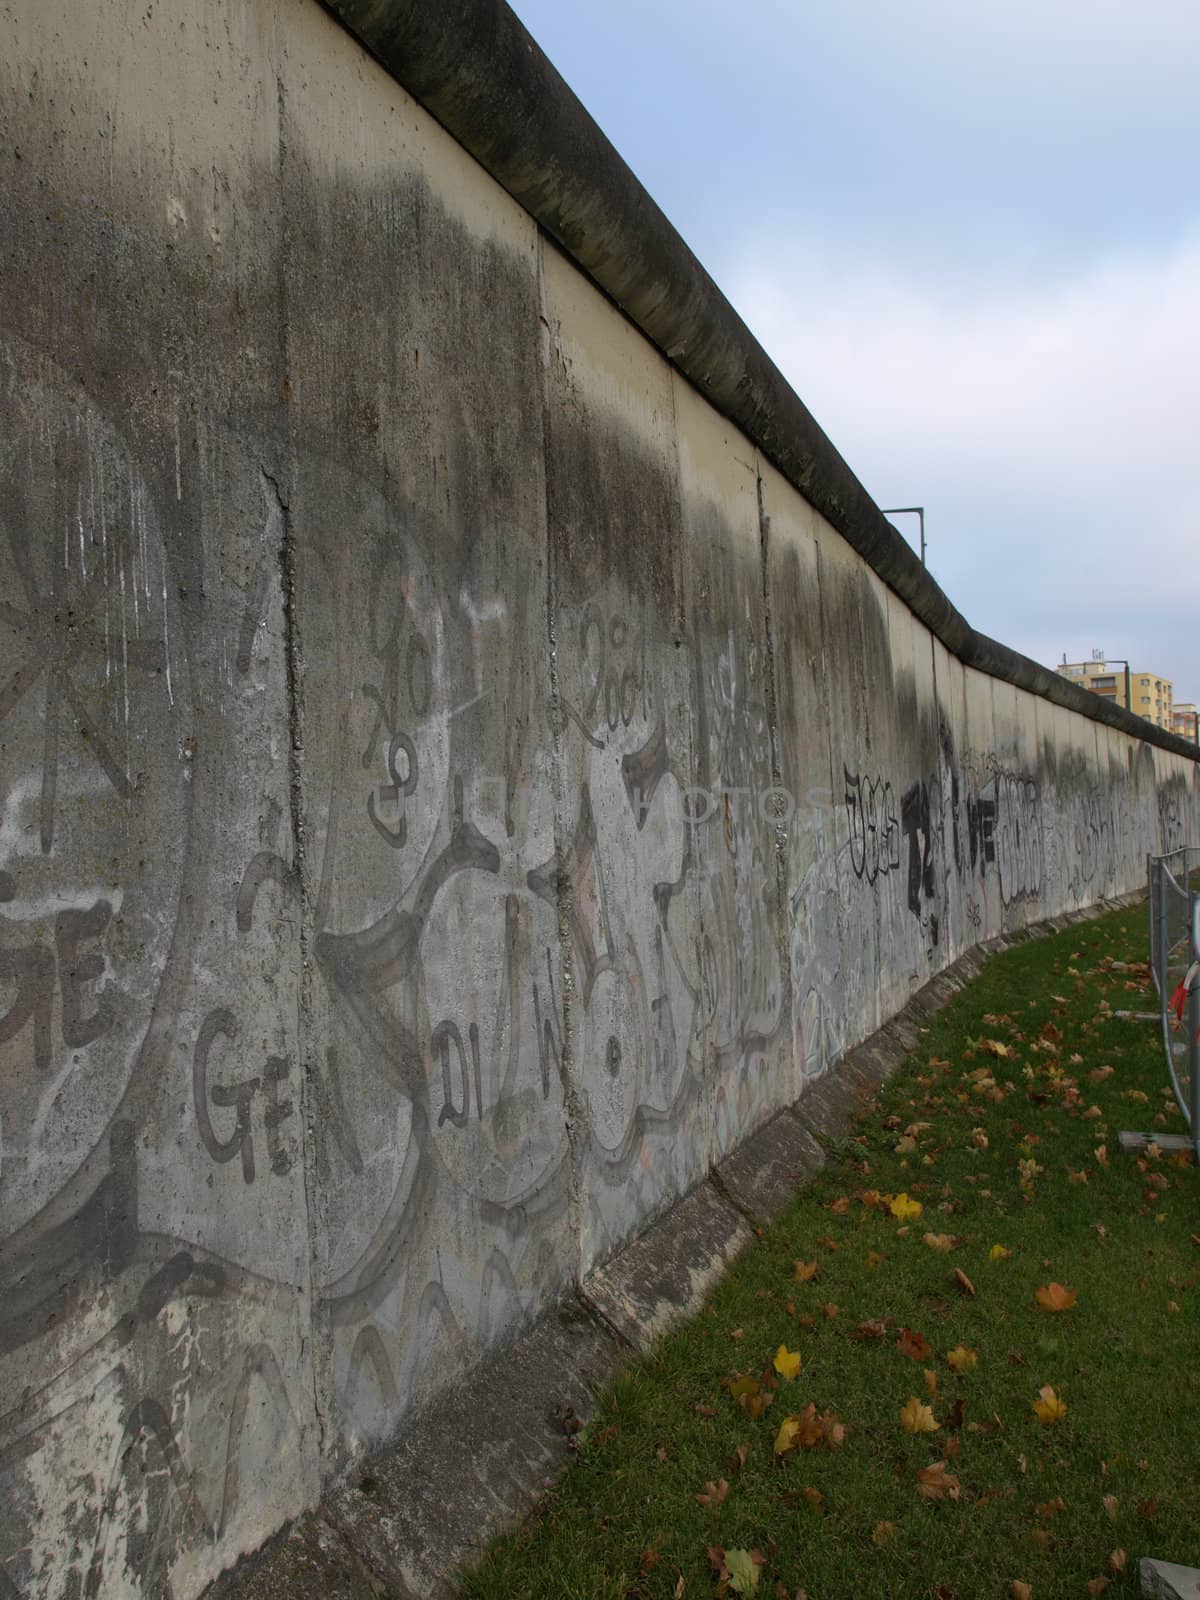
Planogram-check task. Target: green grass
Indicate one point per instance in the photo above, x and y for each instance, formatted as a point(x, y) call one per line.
point(624, 1520)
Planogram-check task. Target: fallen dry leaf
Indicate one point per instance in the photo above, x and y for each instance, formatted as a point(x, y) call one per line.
point(939, 1241)
point(883, 1533)
point(963, 1282)
point(1110, 1505)
point(936, 1483)
point(931, 1382)
point(998, 1253)
point(1051, 1508)
point(873, 1328)
point(1053, 1297)
point(714, 1493)
point(743, 1568)
point(804, 1271)
point(962, 1360)
point(904, 1209)
point(913, 1345)
point(1019, 1590)
point(1116, 1561)
point(918, 1417)
point(787, 1362)
point(1048, 1407)
point(1098, 1585)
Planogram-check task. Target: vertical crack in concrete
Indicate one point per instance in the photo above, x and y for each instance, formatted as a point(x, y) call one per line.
point(575, 1120)
point(780, 825)
point(294, 670)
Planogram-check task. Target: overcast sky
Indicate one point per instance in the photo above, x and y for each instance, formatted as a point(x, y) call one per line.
point(970, 237)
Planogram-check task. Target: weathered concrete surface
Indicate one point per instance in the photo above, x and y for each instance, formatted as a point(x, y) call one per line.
point(454, 790)
point(764, 1172)
point(664, 1276)
point(420, 1510)
point(1165, 1580)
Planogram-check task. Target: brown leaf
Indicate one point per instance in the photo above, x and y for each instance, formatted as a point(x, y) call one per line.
point(714, 1493)
point(963, 1282)
point(936, 1483)
point(737, 1333)
point(740, 1454)
point(830, 1309)
point(1042, 1538)
point(648, 1560)
point(1148, 1510)
point(679, 1588)
point(1116, 1561)
point(815, 1498)
point(804, 1271)
point(1098, 1585)
point(1051, 1508)
point(1110, 1505)
point(913, 1345)
point(1019, 1590)
point(706, 1411)
point(873, 1328)
point(883, 1533)
point(1054, 1297)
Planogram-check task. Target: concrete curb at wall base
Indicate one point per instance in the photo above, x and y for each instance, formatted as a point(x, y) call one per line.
point(1163, 1580)
point(408, 1517)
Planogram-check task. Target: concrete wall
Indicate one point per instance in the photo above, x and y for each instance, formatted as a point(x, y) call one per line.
point(452, 787)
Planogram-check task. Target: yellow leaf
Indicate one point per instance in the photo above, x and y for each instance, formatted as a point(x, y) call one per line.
point(998, 1253)
point(962, 1360)
point(904, 1209)
point(939, 1241)
point(786, 1438)
point(930, 1377)
point(1053, 1297)
point(905, 1146)
point(918, 1418)
point(1049, 1408)
point(787, 1362)
point(995, 1048)
point(804, 1271)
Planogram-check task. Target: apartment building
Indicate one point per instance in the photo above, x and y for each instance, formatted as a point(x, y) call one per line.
point(1150, 695)
point(1184, 720)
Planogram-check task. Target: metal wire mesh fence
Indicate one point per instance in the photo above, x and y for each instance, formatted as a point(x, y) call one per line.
point(1173, 881)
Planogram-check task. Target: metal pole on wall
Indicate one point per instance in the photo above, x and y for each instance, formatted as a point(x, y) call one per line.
point(909, 511)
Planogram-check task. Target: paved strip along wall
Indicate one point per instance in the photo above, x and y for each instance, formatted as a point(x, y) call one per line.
point(453, 787)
